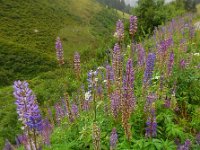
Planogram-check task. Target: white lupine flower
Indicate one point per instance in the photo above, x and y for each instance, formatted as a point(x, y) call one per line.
point(87, 95)
point(100, 67)
point(196, 54)
point(104, 81)
point(115, 35)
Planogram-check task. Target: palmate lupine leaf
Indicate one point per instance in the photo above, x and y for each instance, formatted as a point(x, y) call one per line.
point(173, 130)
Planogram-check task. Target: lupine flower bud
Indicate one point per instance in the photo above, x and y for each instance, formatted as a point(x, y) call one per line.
point(77, 66)
point(59, 51)
point(96, 136)
point(113, 139)
point(149, 68)
point(133, 25)
point(119, 30)
point(141, 55)
point(170, 63)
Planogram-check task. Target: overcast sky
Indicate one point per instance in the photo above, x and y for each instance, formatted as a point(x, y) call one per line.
point(133, 2)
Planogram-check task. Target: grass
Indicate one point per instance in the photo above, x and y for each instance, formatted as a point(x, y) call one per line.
point(34, 25)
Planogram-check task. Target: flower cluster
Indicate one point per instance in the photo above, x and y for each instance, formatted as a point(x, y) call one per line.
point(149, 68)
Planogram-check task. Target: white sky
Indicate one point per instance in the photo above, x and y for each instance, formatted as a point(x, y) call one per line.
point(133, 2)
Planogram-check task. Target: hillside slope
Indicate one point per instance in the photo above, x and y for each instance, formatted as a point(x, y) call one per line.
point(29, 28)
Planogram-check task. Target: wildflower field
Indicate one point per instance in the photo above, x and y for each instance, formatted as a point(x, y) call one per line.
point(140, 95)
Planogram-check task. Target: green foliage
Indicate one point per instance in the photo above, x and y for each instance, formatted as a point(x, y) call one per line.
point(152, 13)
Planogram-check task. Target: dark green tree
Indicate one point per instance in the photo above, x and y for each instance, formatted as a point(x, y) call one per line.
point(190, 5)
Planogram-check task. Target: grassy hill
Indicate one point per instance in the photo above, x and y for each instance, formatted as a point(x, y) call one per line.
point(29, 28)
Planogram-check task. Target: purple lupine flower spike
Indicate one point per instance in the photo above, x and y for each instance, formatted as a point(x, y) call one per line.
point(46, 131)
point(90, 80)
point(77, 66)
point(198, 138)
point(182, 64)
point(113, 139)
point(74, 110)
point(115, 103)
point(8, 146)
point(170, 63)
point(116, 62)
point(59, 112)
point(167, 103)
point(133, 25)
point(164, 45)
point(109, 78)
point(149, 68)
point(149, 109)
point(185, 146)
point(24, 140)
point(128, 85)
point(151, 124)
point(119, 30)
point(27, 107)
point(59, 51)
point(141, 55)
point(128, 101)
